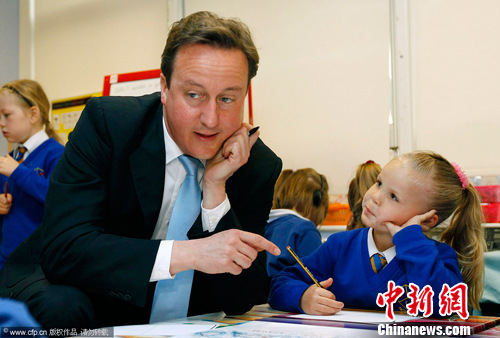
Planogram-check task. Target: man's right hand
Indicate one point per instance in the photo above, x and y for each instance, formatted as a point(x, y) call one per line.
point(227, 251)
point(233, 154)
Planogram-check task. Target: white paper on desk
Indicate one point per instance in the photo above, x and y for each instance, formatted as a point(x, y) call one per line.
point(357, 317)
point(257, 329)
point(177, 329)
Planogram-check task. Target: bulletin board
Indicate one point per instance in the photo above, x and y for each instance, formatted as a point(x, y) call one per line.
point(66, 112)
point(147, 82)
point(132, 84)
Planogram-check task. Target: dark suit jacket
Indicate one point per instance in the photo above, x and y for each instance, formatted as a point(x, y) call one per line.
point(103, 203)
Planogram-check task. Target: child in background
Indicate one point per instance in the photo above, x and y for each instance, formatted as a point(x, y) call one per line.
point(413, 193)
point(24, 173)
point(366, 176)
point(300, 204)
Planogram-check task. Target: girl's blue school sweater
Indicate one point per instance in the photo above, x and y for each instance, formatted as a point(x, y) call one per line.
point(344, 257)
point(28, 185)
point(290, 230)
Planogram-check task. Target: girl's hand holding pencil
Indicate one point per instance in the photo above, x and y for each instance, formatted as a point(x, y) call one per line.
point(303, 266)
point(319, 301)
point(5, 201)
point(316, 300)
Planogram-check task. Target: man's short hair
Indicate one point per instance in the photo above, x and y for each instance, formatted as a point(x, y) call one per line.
point(209, 29)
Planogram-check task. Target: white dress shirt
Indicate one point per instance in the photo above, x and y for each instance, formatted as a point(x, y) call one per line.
point(32, 143)
point(389, 254)
point(174, 176)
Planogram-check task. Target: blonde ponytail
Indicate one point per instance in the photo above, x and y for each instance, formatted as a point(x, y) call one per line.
point(49, 129)
point(465, 234)
point(453, 195)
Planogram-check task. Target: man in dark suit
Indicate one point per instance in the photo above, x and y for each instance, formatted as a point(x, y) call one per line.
point(95, 259)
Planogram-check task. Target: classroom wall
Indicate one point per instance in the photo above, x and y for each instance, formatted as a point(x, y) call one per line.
point(456, 53)
point(9, 49)
point(322, 93)
point(78, 42)
point(9, 37)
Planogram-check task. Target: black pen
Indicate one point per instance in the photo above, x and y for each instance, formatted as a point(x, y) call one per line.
point(253, 130)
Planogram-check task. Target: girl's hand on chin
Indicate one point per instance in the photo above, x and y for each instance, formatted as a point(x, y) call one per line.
point(393, 228)
point(422, 220)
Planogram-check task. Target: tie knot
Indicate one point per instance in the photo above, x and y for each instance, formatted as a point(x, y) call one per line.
point(378, 262)
point(190, 164)
point(19, 154)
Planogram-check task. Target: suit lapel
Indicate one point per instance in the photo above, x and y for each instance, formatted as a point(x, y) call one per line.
point(147, 164)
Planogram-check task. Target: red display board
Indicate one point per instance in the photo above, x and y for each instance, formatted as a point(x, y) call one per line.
point(132, 84)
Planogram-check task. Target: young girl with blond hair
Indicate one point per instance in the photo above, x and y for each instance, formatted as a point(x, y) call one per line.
point(24, 173)
point(413, 193)
point(300, 204)
point(366, 176)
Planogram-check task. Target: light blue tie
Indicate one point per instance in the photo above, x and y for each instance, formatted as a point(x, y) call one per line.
point(171, 299)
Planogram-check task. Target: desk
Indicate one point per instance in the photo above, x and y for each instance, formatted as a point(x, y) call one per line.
point(262, 321)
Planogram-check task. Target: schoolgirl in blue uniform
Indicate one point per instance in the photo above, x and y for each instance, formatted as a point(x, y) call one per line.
point(24, 173)
point(366, 176)
point(413, 193)
point(300, 204)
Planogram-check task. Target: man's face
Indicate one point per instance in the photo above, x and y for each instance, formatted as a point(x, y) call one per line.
point(204, 104)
